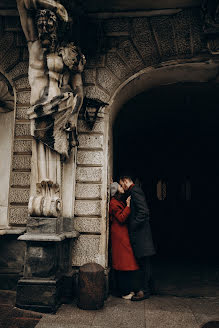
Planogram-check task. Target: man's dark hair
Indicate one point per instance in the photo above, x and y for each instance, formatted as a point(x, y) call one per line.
point(128, 177)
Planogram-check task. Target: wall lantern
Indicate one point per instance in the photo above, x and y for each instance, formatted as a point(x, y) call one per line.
point(91, 107)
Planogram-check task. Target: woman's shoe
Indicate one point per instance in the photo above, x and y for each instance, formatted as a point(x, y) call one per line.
point(129, 296)
point(140, 296)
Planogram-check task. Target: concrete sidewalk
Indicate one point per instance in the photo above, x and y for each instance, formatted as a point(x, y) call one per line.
point(156, 312)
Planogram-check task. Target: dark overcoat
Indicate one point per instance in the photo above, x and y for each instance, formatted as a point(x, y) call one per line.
point(139, 224)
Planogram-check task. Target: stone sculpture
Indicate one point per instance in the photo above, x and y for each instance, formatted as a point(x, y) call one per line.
point(55, 68)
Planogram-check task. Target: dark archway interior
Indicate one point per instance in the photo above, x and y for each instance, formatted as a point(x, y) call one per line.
point(168, 138)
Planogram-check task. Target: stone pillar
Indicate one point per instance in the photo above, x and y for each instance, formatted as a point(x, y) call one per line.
point(47, 263)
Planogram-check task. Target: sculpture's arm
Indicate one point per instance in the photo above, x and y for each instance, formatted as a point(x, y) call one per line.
point(55, 6)
point(27, 22)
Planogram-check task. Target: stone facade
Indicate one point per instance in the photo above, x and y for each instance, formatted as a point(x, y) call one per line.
point(131, 44)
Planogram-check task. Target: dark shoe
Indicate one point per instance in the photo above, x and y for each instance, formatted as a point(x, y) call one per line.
point(140, 296)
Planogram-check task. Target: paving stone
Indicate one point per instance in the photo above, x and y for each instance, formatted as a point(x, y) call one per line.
point(204, 309)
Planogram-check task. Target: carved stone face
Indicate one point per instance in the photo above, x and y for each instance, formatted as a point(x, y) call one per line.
point(47, 29)
point(72, 57)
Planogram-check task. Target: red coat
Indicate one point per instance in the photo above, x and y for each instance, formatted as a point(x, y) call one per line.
point(122, 254)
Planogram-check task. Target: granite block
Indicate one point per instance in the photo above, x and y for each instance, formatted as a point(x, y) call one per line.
point(23, 146)
point(144, 40)
point(85, 249)
point(87, 224)
point(96, 92)
point(19, 195)
point(106, 80)
point(116, 65)
point(87, 157)
point(6, 41)
point(87, 207)
point(89, 75)
point(20, 179)
point(23, 97)
point(21, 162)
point(90, 141)
point(88, 190)
point(89, 174)
point(98, 126)
point(21, 112)
point(18, 215)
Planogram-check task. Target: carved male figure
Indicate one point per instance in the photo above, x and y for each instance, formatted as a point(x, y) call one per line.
point(56, 96)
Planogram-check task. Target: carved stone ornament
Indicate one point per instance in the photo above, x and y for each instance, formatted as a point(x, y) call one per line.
point(210, 10)
point(6, 95)
point(55, 67)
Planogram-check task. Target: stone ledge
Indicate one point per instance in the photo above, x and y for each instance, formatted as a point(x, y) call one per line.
point(12, 231)
point(48, 237)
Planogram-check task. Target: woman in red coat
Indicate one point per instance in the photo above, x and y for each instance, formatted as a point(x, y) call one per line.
point(123, 260)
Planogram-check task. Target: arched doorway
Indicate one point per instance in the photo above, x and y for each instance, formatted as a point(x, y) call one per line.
point(168, 138)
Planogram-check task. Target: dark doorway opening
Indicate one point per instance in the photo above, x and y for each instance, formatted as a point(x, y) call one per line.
point(168, 139)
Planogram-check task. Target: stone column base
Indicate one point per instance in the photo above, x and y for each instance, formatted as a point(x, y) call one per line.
point(43, 295)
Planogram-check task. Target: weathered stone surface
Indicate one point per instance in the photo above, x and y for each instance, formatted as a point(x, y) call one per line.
point(90, 141)
point(87, 207)
point(85, 250)
point(20, 69)
point(38, 225)
point(21, 113)
point(44, 296)
point(83, 224)
point(88, 190)
point(98, 126)
point(97, 60)
point(20, 179)
point(18, 215)
point(21, 162)
point(6, 42)
point(116, 25)
point(95, 92)
point(90, 157)
point(163, 29)
point(22, 83)
point(90, 75)
point(19, 195)
point(23, 97)
point(116, 65)
point(22, 146)
point(181, 23)
point(89, 174)
point(106, 80)
point(22, 129)
point(144, 40)
point(198, 42)
point(129, 54)
point(11, 59)
point(12, 254)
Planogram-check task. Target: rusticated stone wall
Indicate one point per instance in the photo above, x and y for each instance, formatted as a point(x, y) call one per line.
point(131, 44)
point(14, 63)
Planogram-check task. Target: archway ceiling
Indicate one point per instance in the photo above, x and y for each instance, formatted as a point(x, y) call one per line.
point(122, 5)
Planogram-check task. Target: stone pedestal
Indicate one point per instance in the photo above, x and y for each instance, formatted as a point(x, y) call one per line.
point(47, 263)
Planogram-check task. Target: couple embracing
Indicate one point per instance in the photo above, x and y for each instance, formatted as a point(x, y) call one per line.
point(131, 239)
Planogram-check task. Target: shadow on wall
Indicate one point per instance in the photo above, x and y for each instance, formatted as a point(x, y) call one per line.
point(211, 324)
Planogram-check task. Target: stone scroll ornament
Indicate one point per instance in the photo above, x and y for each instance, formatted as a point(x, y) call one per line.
point(210, 11)
point(55, 67)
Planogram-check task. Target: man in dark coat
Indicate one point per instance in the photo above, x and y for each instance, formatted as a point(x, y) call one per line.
point(140, 234)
